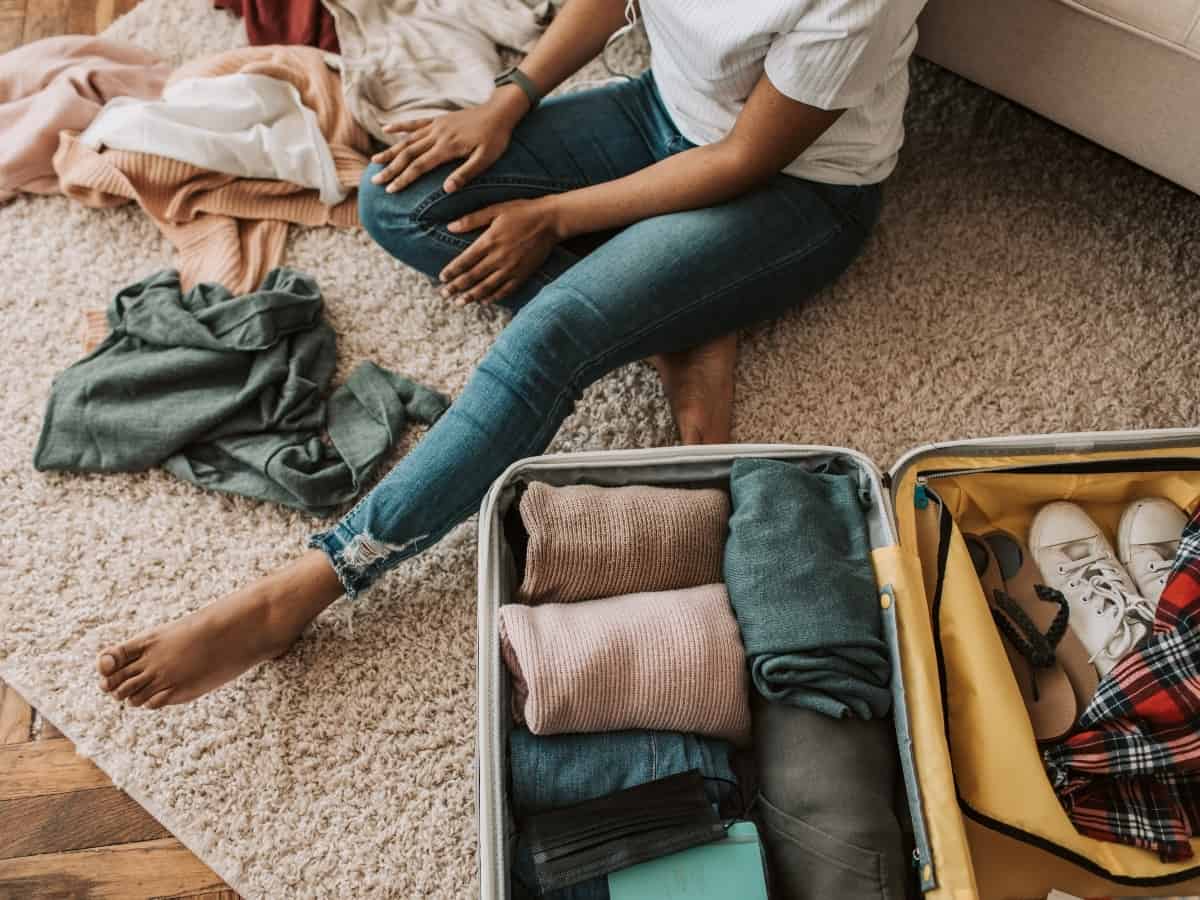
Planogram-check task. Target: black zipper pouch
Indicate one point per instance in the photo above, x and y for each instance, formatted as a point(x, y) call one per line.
point(574, 843)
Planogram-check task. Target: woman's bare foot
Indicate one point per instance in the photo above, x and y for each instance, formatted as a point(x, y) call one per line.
point(180, 661)
point(699, 385)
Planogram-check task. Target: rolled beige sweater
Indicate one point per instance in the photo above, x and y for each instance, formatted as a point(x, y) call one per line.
point(664, 661)
point(587, 541)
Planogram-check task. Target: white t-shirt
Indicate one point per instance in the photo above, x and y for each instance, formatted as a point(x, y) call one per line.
point(707, 56)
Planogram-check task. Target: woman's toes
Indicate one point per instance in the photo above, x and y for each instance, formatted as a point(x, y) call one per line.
point(145, 693)
point(119, 677)
point(115, 658)
point(162, 698)
point(109, 661)
point(116, 666)
point(132, 685)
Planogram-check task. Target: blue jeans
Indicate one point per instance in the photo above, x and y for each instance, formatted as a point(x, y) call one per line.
point(550, 771)
point(664, 284)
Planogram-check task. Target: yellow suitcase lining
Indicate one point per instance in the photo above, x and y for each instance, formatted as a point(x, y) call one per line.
point(1019, 840)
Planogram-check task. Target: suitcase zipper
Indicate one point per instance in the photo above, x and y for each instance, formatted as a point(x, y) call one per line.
point(1023, 445)
point(1096, 467)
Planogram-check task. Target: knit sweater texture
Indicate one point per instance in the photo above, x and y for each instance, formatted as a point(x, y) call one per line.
point(587, 541)
point(226, 229)
point(666, 660)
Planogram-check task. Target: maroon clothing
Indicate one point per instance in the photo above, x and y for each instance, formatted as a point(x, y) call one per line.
point(305, 22)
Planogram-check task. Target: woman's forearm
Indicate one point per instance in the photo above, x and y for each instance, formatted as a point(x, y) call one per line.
point(703, 176)
point(574, 38)
point(771, 131)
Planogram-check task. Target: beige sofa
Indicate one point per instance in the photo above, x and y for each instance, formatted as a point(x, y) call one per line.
point(1124, 73)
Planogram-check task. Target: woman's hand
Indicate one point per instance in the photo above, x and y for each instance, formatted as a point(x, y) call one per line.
point(517, 238)
point(479, 135)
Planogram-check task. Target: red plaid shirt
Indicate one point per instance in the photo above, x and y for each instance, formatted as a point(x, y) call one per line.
point(1131, 772)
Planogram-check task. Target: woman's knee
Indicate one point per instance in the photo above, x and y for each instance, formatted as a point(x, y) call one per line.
point(392, 218)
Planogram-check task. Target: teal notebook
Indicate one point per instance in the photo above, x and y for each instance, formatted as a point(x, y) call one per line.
point(731, 867)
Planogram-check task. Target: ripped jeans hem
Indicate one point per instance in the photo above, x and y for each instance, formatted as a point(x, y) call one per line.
point(359, 561)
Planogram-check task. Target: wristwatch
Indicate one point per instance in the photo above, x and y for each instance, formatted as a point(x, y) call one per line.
point(515, 76)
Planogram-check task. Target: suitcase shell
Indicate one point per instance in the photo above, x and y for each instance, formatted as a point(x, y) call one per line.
point(962, 850)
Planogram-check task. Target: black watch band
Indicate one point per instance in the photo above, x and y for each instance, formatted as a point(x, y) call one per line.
point(520, 79)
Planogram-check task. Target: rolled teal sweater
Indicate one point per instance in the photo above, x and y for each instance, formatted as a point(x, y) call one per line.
point(229, 393)
point(798, 568)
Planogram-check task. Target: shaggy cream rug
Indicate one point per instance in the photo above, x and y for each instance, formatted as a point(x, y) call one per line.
point(1022, 280)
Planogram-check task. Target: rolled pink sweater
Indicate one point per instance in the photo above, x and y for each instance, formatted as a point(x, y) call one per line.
point(664, 661)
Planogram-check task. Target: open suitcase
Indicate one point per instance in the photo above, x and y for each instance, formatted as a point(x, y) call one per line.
point(985, 820)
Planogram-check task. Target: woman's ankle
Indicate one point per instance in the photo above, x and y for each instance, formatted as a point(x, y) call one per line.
point(294, 595)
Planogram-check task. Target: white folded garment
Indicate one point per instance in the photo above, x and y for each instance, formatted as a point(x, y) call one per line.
point(253, 126)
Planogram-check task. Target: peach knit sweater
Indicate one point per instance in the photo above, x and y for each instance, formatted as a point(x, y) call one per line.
point(587, 541)
point(227, 229)
point(669, 661)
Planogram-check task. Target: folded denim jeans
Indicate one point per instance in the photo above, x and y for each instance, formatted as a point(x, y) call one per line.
point(826, 794)
point(548, 772)
point(798, 568)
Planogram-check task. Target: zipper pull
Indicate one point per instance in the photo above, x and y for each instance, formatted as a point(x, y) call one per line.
point(921, 495)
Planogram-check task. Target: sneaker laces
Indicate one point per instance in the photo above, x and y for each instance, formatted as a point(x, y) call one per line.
point(1100, 579)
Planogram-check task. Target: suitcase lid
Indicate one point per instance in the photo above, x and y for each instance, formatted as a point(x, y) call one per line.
point(1016, 451)
point(912, 473)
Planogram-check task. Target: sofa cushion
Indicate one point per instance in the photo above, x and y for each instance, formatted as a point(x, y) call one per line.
point(1170, 20)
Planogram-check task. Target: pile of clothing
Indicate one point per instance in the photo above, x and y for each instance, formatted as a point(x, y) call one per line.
point(229, 393)
point(227, 353)
point(732, 629)
point(224, 152)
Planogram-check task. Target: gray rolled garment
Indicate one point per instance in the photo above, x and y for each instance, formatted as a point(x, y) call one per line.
point(826, 793)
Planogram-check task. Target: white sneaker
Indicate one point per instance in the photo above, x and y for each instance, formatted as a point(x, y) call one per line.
point(1074, 556)
point(1147, 541)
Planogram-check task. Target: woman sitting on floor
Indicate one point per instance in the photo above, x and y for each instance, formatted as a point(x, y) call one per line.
point(725, 186)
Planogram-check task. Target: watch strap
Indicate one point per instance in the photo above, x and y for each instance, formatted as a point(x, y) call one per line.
point(521, 80)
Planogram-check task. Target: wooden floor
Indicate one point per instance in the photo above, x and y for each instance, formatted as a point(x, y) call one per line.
point(65, 830)
point(22, 21)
